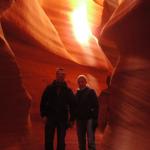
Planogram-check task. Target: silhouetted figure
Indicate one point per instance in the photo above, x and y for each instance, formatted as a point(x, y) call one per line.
point(86, 114)
point(56, 105)
point(104, 104)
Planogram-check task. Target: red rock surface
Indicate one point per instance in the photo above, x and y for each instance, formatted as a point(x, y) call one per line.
point(37, 36)
point(129, 106)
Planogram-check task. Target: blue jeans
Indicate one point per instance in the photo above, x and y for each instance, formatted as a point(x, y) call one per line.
point(85, 127)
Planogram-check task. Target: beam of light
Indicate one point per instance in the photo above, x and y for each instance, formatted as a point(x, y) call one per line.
point(80, 24)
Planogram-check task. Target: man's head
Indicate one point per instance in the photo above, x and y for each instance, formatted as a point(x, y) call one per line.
point(60, 74)
point(82, 81)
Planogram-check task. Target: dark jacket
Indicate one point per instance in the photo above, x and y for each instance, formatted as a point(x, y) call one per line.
point(57, 102)
point(86, 104)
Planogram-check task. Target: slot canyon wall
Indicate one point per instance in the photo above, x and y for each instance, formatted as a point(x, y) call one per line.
point(33, 44)
point(36, 36)
point(127, 32)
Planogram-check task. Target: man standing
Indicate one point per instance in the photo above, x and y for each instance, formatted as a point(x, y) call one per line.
point(56, 107)
point(86, 114)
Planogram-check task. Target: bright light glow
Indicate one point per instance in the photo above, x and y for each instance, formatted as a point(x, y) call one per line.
point(80, 24)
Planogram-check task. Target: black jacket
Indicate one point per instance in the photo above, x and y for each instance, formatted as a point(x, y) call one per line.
point(86, 104)
point(57, 102)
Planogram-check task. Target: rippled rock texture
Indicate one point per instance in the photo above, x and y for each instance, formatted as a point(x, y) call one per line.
point(37, 36)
